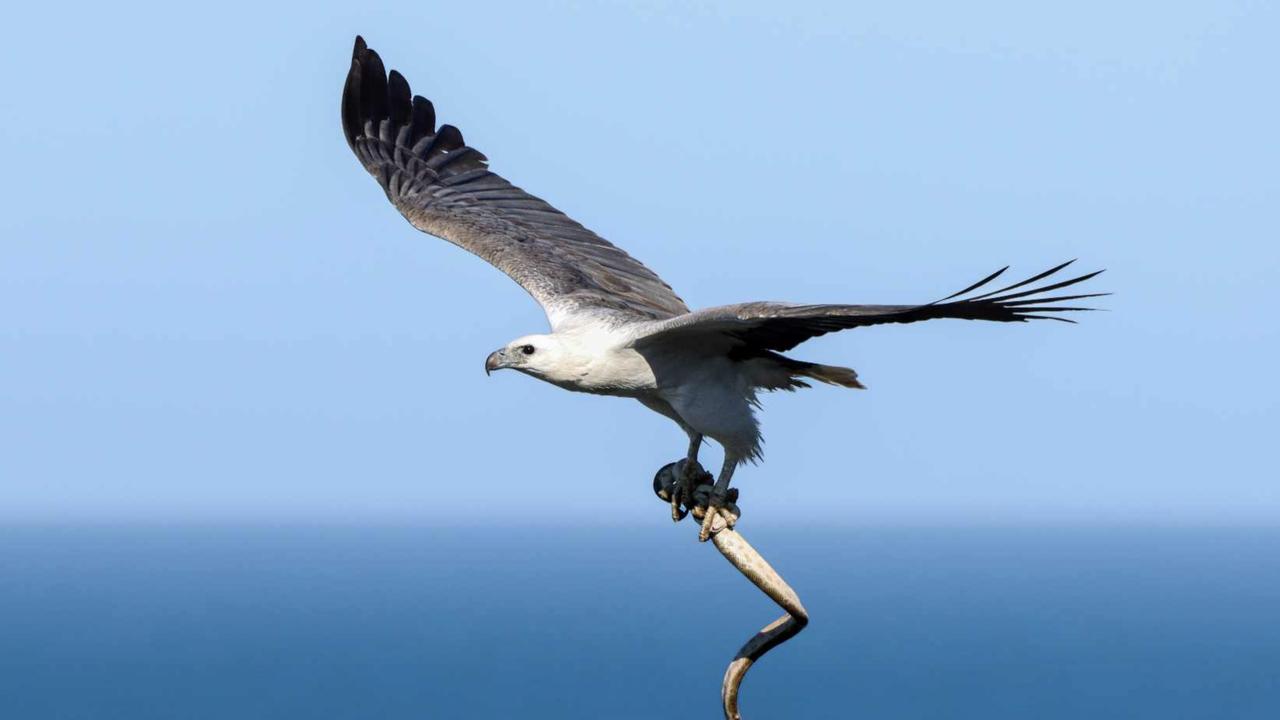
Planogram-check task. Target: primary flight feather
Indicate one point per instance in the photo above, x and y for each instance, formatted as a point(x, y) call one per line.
point(616, 327)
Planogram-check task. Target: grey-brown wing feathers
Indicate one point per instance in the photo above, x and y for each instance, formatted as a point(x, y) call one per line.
point(782, 326)
point(445, 188)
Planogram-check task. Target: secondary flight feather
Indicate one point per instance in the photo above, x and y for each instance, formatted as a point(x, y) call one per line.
point(617, 328)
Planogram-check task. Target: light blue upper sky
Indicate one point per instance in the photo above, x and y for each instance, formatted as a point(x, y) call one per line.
point(209, 312)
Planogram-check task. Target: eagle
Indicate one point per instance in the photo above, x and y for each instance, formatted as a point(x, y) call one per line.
point(616, 328)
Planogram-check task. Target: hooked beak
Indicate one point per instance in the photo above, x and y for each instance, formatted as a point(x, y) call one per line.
point(493, 362)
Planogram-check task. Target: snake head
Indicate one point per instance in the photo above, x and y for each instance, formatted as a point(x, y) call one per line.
point(669, 475)
point(665, 480)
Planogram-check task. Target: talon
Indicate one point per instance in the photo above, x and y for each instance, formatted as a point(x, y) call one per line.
point(678, 510)
point(708, 520)
point(680, 492)
point(718, 513)
point(712, 523)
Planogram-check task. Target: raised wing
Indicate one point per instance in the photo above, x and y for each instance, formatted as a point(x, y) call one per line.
point(782, 326)
point(443, 187)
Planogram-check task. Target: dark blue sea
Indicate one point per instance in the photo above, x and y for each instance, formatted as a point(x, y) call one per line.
point(514, 622)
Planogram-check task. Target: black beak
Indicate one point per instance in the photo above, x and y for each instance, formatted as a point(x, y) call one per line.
point(493, 362)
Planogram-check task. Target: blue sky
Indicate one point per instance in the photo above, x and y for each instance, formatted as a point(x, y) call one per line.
point(208, 312)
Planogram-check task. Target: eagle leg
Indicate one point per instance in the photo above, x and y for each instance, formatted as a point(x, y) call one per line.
point(688, 476)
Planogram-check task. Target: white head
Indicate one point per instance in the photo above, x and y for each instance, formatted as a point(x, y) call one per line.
point(543, 356)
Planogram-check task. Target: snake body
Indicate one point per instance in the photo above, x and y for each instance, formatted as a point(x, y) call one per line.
point(750, 563)
point(735, 548)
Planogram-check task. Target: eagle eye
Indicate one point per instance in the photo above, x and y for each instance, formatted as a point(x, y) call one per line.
point(527, 349)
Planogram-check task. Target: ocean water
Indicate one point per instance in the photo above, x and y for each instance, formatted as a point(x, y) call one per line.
point(529, 622)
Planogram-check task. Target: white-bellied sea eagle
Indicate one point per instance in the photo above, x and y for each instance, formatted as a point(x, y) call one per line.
point(616, 327)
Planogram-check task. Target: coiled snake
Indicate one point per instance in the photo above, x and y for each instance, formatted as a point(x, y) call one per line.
point(749, 562)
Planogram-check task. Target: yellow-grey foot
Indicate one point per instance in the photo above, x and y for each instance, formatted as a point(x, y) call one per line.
point(716, 512)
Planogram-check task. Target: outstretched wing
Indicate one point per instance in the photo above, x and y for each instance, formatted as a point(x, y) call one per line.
point(443, 187)
point(782, 326)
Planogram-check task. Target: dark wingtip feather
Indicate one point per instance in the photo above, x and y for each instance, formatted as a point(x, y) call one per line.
point(1046, 288)
point(1049, 317)
point(448, 138)
point(1035, 303)
point(1028, 303)
point(359, 47)
point(422, 119)
point(1028, 281)
point(974, 286)
point(351, 99)
point(1055, 308)
point(1058, 298)
point(373, 86)
point(400, 98)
